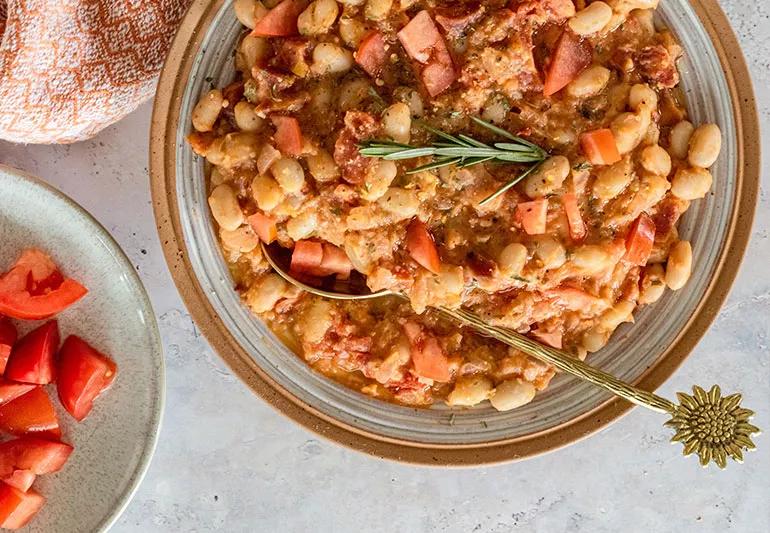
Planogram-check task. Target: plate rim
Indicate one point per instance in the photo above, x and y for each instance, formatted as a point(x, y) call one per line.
point(165, 116)
point(127, 495)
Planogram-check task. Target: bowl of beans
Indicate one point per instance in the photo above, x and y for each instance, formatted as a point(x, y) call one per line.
point(583, 173)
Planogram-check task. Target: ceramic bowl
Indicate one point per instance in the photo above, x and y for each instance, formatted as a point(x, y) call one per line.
point(114, 444)
point(718, 89)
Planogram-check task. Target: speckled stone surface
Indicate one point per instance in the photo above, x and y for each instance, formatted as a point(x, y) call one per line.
point(228, 462)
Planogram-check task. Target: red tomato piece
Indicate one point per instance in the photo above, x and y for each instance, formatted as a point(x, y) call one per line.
point(577, 228)
point(335, 261)
point(306, 256)
point(30, 413)
point(264, 226)
point(600, 147)
point(281, 21)
point(16, 507)
point(20, 479)
point(371, 54)
point(571, 56)
point(84, 373)
point(422, 247)
point(10, 391)
point(428, 357)
point(551, 338)
point(640, 240)
point(32, 359)
point(288, 136)
point(39, 456)
point(425, 44)
point(533, 216)
point(8, 337)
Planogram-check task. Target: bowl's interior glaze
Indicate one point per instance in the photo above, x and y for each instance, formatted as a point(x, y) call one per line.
point(632, 351)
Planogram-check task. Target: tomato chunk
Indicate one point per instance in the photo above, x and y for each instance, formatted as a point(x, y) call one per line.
point(281, 21)
point(533, 216)
point(571, 56)
point(306, 256)
point(577, 228)
point(600, 147)
point(371, 54)
point(38, 456)
point(424, 43)
point(640, 240)
point(8, 337)
point(30, 413)
point(84, 373)
point(335, 261)
point(428, 357)
point(20, 479)
point(551, 338)
point(288, 136)
point(10, 391)
point(16, 507)
point(422, 247)
point(264, 226)
point(32, 359)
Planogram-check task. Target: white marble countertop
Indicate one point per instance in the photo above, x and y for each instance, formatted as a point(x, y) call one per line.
point(226, 461)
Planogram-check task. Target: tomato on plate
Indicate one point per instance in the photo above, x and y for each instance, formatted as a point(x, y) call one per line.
point(10, 390)
point(34, 288)
point(30, 413)
point(17, 507)
point(39, 456)
point(32, 359)
point(84, 373)
point(7, 340)
point(20, 479)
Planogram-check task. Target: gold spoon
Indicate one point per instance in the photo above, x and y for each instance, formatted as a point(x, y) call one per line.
point(706, 423)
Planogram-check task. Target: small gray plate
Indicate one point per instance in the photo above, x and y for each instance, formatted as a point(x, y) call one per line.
point(114, 444)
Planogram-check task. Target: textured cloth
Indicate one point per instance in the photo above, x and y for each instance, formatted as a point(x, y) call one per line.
point(68, 68)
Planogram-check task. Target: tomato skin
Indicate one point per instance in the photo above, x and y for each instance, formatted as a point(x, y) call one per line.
point(422, 247)
point(31, 413)
point(39, 456)
point(9, 390)
point(571, 56)
point(8, 336)
point(264, 226)
point(288, 135)
point(640, 240)
point(281, 21)
point(32, 359)
point(16, 507)
point(428, 357)
point(20, 479)
point(371, 54)
point(84, 373)
point(533, 216)
point(600, 146)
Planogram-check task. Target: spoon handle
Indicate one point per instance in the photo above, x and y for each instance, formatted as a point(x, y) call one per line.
point(706, 423)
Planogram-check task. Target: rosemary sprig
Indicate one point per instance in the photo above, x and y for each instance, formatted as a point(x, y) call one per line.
point(462, 151)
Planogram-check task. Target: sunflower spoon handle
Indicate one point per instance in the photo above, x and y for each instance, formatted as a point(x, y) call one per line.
point(706, 423)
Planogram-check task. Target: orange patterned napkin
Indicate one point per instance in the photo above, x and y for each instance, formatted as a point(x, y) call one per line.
point(68, 68)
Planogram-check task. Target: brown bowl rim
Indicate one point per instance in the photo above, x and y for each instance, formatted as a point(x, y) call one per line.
point(165, 118)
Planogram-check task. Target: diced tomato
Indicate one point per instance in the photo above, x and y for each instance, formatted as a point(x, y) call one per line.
point(640, 240)
point(371, 54)
point(428, 357)
point(30, 413)
point(8, 337)
point(422, 247)
point(336, 261)
point(10, 391)
point(264, 226)
point(16, 507)
point(306, 256)
point(577, 228)
point(39, 456)
point(20, 479)
point(32, 359)
point(600, 147)
point(551, 338)
point(288, 136)
point(424, 43)
point(84, 373)
point(571, 56)
point(27, 291)
point(281, 21)
point(533, 216)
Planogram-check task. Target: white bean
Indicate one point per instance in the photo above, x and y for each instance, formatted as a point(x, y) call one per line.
point(403, 203)
point(263, 296)
point(679, 265)
point(206, 111)
point(705, 145)
point(411, 98)
point(289, 174)
point(592, 259)
point(378, 179)
point(245, 12)
point(266, 192)
point(595, 338)
point(317, 318)
point(551, 252)
point(619, 313)
point(377, 9)
point(591, 19)
point(652, 285)
point(512, 394)
point(612, 180)
point(242, 239)
point(656, 160)
point(547, 177)
point(397, 122)
point(628, 129)
point(589, 83)
point(329, 58)
point(246, 118)
point(679, 139)
point(691, 183)
point(351, 30)
point(322, 166)
point(225, 208)
point(252, 51)
point(512, 259)
point(303, 225)
point(642, 99)
point(469, 391)
point(318, 17)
